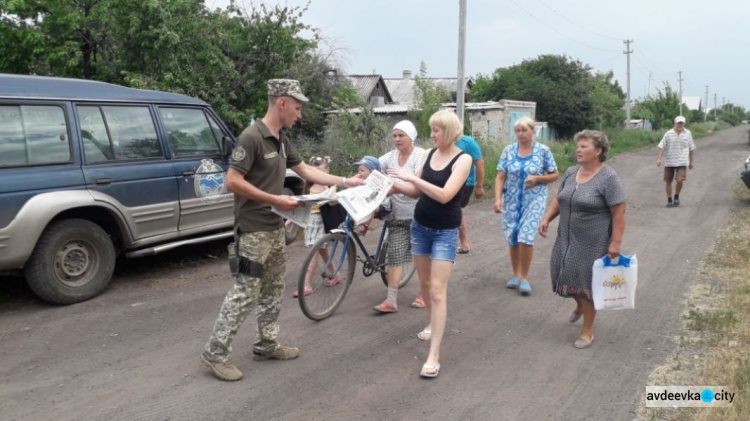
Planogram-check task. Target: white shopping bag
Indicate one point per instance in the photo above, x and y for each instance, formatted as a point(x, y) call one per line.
point(613, 282)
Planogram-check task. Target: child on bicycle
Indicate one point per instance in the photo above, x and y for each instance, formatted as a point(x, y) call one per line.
point(365, 167)
point(315, 230)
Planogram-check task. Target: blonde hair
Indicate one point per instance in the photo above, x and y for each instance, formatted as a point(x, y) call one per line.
point(449, 122)
point(525, 121)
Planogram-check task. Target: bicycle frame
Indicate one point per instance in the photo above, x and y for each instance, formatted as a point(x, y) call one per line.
point(348, 233)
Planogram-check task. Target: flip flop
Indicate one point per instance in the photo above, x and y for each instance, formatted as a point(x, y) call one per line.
point(425, 334)
point(425, 373)
point(333, 282)
point(462, 251)
point(307, 291)
point(418, 302)
point(385, 307)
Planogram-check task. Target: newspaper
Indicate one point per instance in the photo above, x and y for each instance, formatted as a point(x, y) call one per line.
point(301, 214)
point(361, 201)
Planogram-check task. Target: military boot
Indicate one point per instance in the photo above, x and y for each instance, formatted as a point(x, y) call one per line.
point(224, 371)
point(281, 353)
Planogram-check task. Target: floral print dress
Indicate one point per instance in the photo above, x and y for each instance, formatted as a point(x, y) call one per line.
point(523, 208)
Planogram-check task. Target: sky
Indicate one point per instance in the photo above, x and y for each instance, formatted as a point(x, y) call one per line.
point(703, 39)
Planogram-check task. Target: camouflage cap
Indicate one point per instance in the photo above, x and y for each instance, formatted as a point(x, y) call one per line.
point(286, 87)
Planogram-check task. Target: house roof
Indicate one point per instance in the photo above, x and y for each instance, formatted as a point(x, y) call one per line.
point(46, 87)
point(402, 89)
point(385, 109)
point(692, 102)
point(492, 105)
point(364, 85)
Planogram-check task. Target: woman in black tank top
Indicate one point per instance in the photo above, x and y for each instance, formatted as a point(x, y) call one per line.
point(434, 229)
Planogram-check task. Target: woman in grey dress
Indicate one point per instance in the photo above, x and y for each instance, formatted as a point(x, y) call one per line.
point(591, 204)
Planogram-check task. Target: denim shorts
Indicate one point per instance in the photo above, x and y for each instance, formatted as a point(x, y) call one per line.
point(439, 244)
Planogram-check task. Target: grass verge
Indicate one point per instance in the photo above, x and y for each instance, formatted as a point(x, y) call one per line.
point(714, 347)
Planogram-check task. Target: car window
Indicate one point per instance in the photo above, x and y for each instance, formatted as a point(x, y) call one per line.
point(96, 144)
point(118, 133)
point(33, 135)
point(189, 131)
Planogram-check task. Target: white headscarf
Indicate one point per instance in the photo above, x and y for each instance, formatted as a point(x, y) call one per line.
point(407, 127)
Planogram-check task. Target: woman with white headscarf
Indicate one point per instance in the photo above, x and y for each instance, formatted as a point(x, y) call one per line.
point(405, 157)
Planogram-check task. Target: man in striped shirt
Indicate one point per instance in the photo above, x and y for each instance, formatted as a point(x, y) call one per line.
point(676, 148)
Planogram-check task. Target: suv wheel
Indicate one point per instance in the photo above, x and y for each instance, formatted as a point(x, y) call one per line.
point(72, 262)
point(291, 232)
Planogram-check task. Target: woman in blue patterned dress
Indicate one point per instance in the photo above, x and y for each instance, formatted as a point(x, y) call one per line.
point(523, 172)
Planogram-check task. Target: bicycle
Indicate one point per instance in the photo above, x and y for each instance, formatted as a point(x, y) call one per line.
point(331, 280)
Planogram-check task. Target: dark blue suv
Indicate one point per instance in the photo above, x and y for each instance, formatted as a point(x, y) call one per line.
point(90, 170)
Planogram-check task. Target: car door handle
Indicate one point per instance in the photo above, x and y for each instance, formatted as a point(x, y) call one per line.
point(188, 173)
point(103, 181)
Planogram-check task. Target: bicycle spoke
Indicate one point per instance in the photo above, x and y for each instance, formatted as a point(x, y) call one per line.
point(326, 276)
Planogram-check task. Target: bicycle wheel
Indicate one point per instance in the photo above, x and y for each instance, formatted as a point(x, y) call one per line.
point(329, 279)
point(407, 271)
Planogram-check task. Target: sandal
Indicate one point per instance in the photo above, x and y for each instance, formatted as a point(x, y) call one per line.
point(430, 374)
point(385, 307)
point(308, 291)
point(334, 281)
point(425, 334)
point(418, 302)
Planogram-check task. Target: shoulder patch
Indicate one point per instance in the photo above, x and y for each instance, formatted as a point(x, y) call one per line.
point(238, 154)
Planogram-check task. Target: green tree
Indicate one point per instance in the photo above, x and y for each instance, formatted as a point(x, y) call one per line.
point(567, 94)
point(224, 57)
point(660, 109)
point(349, 134)
point(607, 101)
point(428, 97)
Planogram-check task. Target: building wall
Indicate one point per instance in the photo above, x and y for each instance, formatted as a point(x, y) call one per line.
point(487, 124)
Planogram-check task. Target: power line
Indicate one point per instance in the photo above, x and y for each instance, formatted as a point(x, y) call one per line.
point(654, 66)
point(558, 32)
point(608, 60)
point(574, 23)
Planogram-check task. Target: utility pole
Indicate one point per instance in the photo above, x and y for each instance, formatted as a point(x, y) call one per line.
point(680, 79)
point(705, 112)
point(714, 106)
point(461, 58)
point(627, 52)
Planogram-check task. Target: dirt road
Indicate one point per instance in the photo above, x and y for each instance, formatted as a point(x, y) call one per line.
point(132, 353)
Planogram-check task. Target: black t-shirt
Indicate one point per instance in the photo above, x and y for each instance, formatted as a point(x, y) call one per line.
point(431, 213)
point(263, 159)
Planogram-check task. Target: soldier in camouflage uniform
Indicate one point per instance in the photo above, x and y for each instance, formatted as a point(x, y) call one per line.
point(256, 177)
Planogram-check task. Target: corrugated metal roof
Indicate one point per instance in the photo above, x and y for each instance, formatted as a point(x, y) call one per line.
point(471, 106)
point(364, 85)
point(402, 90)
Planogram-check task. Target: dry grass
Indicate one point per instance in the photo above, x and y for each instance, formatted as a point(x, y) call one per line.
point(714, 346)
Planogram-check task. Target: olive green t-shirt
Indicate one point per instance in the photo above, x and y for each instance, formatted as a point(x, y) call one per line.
point(263, 159)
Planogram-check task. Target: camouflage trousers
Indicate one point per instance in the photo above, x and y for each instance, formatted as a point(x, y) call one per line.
point(266, 292)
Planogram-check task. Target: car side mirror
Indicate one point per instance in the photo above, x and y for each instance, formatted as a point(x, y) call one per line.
point(227, 145)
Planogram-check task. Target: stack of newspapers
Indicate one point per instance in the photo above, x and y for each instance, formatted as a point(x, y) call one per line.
point(360, 202)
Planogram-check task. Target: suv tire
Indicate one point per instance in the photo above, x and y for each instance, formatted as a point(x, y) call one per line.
point(72, 262)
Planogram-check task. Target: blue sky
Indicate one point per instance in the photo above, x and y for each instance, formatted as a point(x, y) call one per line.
point(702, 39)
